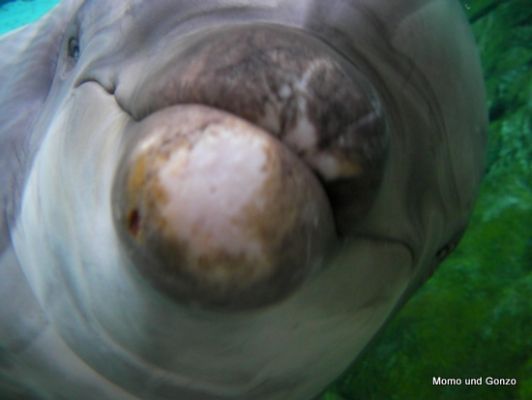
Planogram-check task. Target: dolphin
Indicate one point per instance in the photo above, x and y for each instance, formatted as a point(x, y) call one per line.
point(225, 199)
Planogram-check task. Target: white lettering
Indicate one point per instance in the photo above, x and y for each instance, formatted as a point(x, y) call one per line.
point(473, 381)
point(501, 381)
point(446, 381)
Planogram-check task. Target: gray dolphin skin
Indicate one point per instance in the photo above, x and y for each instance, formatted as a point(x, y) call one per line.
point(225, 199)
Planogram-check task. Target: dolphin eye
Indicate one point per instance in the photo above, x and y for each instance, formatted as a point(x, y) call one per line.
point(73, 48)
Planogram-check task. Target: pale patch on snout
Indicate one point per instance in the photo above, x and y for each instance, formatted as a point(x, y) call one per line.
point(197, 204)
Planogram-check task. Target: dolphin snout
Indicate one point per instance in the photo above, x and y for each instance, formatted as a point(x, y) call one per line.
point(257, 145)
point(216, 211)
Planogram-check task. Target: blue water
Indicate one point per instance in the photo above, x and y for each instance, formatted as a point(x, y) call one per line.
point(14, 14)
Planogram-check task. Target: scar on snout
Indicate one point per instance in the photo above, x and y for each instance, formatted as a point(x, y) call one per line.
point(133, 222)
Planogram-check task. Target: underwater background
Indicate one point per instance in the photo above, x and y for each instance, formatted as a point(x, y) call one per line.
point(473, 318)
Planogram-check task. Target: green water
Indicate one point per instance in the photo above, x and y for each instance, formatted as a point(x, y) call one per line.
point(474, 317)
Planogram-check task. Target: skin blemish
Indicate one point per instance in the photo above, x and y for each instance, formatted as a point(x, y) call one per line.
point(133, 222)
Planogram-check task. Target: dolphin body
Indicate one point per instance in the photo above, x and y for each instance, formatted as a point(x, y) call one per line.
point(225, 199)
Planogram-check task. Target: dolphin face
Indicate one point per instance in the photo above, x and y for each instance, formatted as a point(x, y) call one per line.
point(226, 199)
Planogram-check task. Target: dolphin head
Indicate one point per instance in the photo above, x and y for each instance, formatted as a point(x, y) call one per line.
point(226, 199)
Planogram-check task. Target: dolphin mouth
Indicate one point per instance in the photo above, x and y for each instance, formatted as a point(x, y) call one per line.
point(282, 79)
point(313, 117)
point(290, 84)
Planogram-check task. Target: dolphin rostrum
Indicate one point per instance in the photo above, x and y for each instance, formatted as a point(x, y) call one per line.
point(225, 199)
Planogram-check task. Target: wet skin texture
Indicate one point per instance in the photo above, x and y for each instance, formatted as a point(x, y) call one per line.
point(225, 200)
